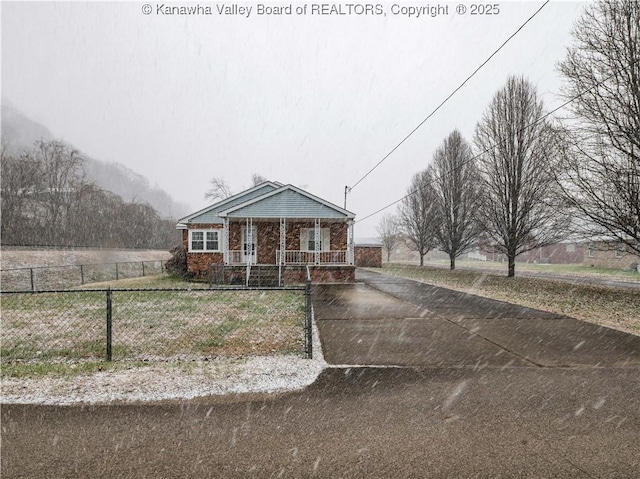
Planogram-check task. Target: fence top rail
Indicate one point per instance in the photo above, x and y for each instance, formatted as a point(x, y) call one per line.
point(83, 264)
point(115, 290)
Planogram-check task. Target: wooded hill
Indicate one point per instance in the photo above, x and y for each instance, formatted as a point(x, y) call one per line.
point(50, 196)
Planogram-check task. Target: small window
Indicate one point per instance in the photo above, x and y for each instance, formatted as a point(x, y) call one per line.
point(205, 241)
point(308, 239)
point(592, 250)
point(197, 240)
point(212, 241)
point(620, 250)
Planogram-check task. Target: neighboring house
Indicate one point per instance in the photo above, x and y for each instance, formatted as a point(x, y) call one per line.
point(564, 252)
point(610, 254)
point(602, 253)
point(270, 233)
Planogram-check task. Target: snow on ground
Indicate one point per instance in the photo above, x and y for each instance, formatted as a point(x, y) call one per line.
point(167, 381)
point(33, 258)
point(172, 380)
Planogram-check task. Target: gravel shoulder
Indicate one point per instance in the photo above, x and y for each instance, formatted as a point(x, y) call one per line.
point(159, 382)
point(171, 380)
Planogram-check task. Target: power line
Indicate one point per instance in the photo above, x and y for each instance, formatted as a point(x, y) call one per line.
point(348, 189)
point(436, 178)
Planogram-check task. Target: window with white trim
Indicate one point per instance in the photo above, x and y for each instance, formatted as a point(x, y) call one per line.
point(620, 250)
point(205, 241)
point(308, 239)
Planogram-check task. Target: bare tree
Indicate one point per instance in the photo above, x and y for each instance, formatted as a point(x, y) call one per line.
point(419, 214)
point(219, 190)
point(520, 207)
point(456, 180)
point(62, 176)
point(389, 232)
point(256, 179)
point(601, 165)
point(21, 177)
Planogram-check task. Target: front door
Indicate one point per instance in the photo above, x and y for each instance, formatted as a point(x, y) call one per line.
point(249, 250)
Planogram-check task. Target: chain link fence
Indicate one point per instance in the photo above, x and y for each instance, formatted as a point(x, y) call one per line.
point(61, 277)
point(154, 324)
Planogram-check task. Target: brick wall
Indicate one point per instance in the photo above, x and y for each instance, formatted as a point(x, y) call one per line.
point(368, 256)
point(560, 253)
point(603, 255)
point(198, 263)
point(319, 274)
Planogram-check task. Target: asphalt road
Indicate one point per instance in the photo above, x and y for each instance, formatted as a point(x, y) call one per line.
point(462, 387)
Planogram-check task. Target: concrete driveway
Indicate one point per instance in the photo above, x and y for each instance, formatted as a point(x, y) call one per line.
point(393, 321)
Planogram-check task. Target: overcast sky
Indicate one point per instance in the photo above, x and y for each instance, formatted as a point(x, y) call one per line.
point(311, 100)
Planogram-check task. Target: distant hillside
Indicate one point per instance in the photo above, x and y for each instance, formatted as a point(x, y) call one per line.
point(20, 133)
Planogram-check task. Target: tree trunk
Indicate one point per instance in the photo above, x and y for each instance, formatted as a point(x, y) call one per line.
point(421, 259)
point(512, 265)
point(452, 262)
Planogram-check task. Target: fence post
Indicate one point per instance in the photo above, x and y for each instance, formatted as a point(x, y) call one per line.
point(308, 317)
point(81, 274)
point(109, 317)
point(33, 285)
point(143, 269)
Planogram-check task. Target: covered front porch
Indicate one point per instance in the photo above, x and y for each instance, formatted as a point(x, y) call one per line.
point(287, 241)
point(267, 251)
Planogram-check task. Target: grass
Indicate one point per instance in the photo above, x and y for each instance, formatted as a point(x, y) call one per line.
point(66, 369)
point(63, 277)
point(147, 325)
point(608, 306)
point(579, 270)
point(155, 281)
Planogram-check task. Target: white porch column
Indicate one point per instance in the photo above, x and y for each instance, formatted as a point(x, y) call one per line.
point(283, 241)
point(225, 241)
point(318, 237)
point(350, 244)
point(249, 242)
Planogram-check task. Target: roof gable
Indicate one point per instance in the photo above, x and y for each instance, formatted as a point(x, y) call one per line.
point(210, 214)
point(287, 202)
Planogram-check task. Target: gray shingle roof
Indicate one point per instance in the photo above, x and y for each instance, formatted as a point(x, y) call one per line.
point(209, 215)
point(268, 200)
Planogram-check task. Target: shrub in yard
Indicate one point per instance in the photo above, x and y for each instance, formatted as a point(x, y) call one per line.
point(177, 265)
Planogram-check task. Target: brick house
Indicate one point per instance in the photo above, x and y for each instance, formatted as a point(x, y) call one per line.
point(270, 233)
point(610, 254)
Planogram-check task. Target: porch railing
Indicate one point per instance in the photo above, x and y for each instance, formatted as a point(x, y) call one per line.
point(309, 257)
point(295, 257)
point(237, 257)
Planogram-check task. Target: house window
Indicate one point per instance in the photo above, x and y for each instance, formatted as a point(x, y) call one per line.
point(592, 250)
point(620, 250)
point(308, 239)
point(205, 241)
